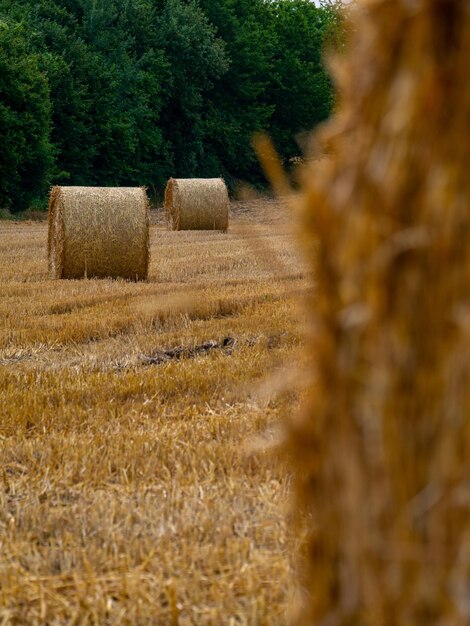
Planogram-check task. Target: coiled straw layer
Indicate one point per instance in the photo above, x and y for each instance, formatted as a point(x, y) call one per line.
point(98, 232)
point(197, 204)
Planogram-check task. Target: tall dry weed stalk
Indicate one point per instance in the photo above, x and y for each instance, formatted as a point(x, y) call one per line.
point(382, 452)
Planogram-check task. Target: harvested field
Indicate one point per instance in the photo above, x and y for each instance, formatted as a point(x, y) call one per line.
point(134, 486)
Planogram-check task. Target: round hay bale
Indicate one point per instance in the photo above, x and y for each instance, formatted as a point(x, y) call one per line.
point(98, 232)
point(197, 204)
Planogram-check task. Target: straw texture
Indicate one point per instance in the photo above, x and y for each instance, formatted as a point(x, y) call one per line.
point(381, 453)
point(98, 232)
point(197, 204)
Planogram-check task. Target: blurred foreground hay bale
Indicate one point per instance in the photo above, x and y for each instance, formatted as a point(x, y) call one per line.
point(197, 204)
point(98, 232)
point(382, 451)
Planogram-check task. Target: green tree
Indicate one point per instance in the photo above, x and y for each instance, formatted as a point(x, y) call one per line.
point(129, 92)
point(300, 91)
point(198, 59)
point(54, 33)
point(25, 111)
point(238, 107)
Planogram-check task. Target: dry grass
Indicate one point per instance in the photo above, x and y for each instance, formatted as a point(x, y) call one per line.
point(98, 232)
point(382, 453)
point(127, 493)
point(197, 204)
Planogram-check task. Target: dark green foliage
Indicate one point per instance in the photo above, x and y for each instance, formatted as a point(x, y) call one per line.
point(197, 58)
point(130, 92)
point(240, 106)
point(300, 91)
point(26, 154)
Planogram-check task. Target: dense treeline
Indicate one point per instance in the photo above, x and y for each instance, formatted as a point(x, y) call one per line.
point(129, 92)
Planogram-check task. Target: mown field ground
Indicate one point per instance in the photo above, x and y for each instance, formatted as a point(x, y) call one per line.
point(134, 483)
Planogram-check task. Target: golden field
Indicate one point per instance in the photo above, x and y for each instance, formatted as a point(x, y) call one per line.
point(137, 484)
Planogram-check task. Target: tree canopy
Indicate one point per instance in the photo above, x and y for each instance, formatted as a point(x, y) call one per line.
point(130, 92)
